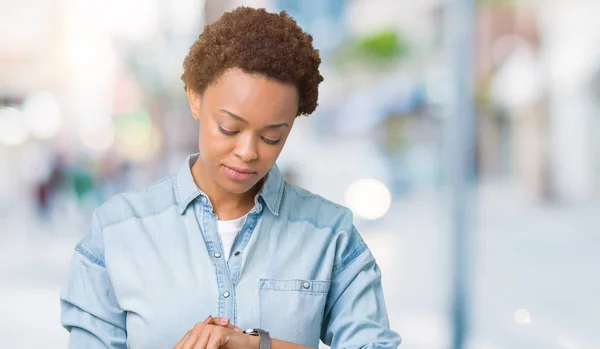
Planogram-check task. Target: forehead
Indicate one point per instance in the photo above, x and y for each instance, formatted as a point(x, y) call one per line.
point(253, 96)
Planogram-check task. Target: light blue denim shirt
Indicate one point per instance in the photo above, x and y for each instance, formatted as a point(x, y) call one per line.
point(152, 266)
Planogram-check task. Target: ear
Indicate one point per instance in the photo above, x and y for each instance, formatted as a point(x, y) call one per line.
point(195, 100)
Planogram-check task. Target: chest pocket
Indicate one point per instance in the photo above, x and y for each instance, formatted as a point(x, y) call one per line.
point(292, 310)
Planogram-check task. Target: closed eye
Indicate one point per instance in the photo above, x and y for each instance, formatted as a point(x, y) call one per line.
point(225, 132)
point(231, 133)
point(270, 141)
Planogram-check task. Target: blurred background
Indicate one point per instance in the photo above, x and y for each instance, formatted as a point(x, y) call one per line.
point(91, 103)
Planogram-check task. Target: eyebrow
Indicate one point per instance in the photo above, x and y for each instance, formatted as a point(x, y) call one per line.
point(239, 118)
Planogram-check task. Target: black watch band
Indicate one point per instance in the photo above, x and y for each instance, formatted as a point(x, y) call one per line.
point(263, 337)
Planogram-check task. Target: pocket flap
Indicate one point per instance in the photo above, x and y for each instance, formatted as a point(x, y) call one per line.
point(311, 286)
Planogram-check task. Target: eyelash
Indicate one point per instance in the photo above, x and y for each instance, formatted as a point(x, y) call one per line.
point(270, 142)
point(225, 132)
point(230, 133)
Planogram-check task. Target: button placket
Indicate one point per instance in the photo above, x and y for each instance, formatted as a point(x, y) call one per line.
point(226, 307)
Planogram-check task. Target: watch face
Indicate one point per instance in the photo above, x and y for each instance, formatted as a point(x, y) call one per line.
point(255, 331)
point(252, 332)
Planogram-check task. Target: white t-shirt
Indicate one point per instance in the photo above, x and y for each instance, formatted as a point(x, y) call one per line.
point(229, 231)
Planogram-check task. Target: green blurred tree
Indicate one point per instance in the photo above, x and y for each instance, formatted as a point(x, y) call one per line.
point(377, 49)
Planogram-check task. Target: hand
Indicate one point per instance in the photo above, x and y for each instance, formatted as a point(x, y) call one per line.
point(215, 333)
point(221, 321)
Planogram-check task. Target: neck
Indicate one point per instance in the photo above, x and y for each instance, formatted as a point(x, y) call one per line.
point(226, 205)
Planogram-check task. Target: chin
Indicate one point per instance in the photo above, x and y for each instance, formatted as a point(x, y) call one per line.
point(234, 187)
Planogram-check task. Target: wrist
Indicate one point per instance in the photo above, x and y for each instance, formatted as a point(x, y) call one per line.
point(254, 342)
point(262, 336)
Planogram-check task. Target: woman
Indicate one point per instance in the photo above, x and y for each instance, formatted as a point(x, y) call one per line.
point(156, 265)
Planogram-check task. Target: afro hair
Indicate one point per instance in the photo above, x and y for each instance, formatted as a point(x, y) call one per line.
point(258, 42)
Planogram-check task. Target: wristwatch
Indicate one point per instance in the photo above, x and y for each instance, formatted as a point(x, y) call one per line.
point(264, 338)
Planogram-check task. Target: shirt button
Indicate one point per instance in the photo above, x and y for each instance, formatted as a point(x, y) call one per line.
point(306, 285)
point(237, 253)
point(226, 294)
point(217, 255)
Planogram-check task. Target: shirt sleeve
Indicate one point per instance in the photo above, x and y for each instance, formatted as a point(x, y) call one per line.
point(89, 308)
point(355, 313)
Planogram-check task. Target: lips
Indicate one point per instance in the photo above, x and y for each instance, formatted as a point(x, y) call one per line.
point(238, 174)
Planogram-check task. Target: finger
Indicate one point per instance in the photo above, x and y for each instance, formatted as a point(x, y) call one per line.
point(194, 335)
point(217, 339)
point(225, 322)
point(191, 340)
point(203, 337)
point(235, 328)
point(221, 321)
point(209, 320)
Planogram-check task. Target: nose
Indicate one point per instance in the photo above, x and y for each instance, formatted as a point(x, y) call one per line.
point(246, 148)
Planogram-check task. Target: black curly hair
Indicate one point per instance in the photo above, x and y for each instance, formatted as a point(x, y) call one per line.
point(256, 41)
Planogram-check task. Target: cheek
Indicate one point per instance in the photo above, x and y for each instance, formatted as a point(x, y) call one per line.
point(270, 153)
point(212, 143)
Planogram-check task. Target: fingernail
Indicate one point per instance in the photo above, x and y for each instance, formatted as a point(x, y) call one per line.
point(223, 320)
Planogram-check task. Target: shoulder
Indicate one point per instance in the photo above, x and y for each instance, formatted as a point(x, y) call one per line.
point(152, 199)
point(299, 204)
point(328, 217)
point(147, 201)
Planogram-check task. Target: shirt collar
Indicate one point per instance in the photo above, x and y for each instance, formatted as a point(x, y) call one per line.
point(187, 190)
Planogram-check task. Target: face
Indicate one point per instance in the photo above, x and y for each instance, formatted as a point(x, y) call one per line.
point(244, 121)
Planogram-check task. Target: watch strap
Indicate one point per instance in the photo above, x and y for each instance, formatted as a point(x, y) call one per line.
point(265, 339)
